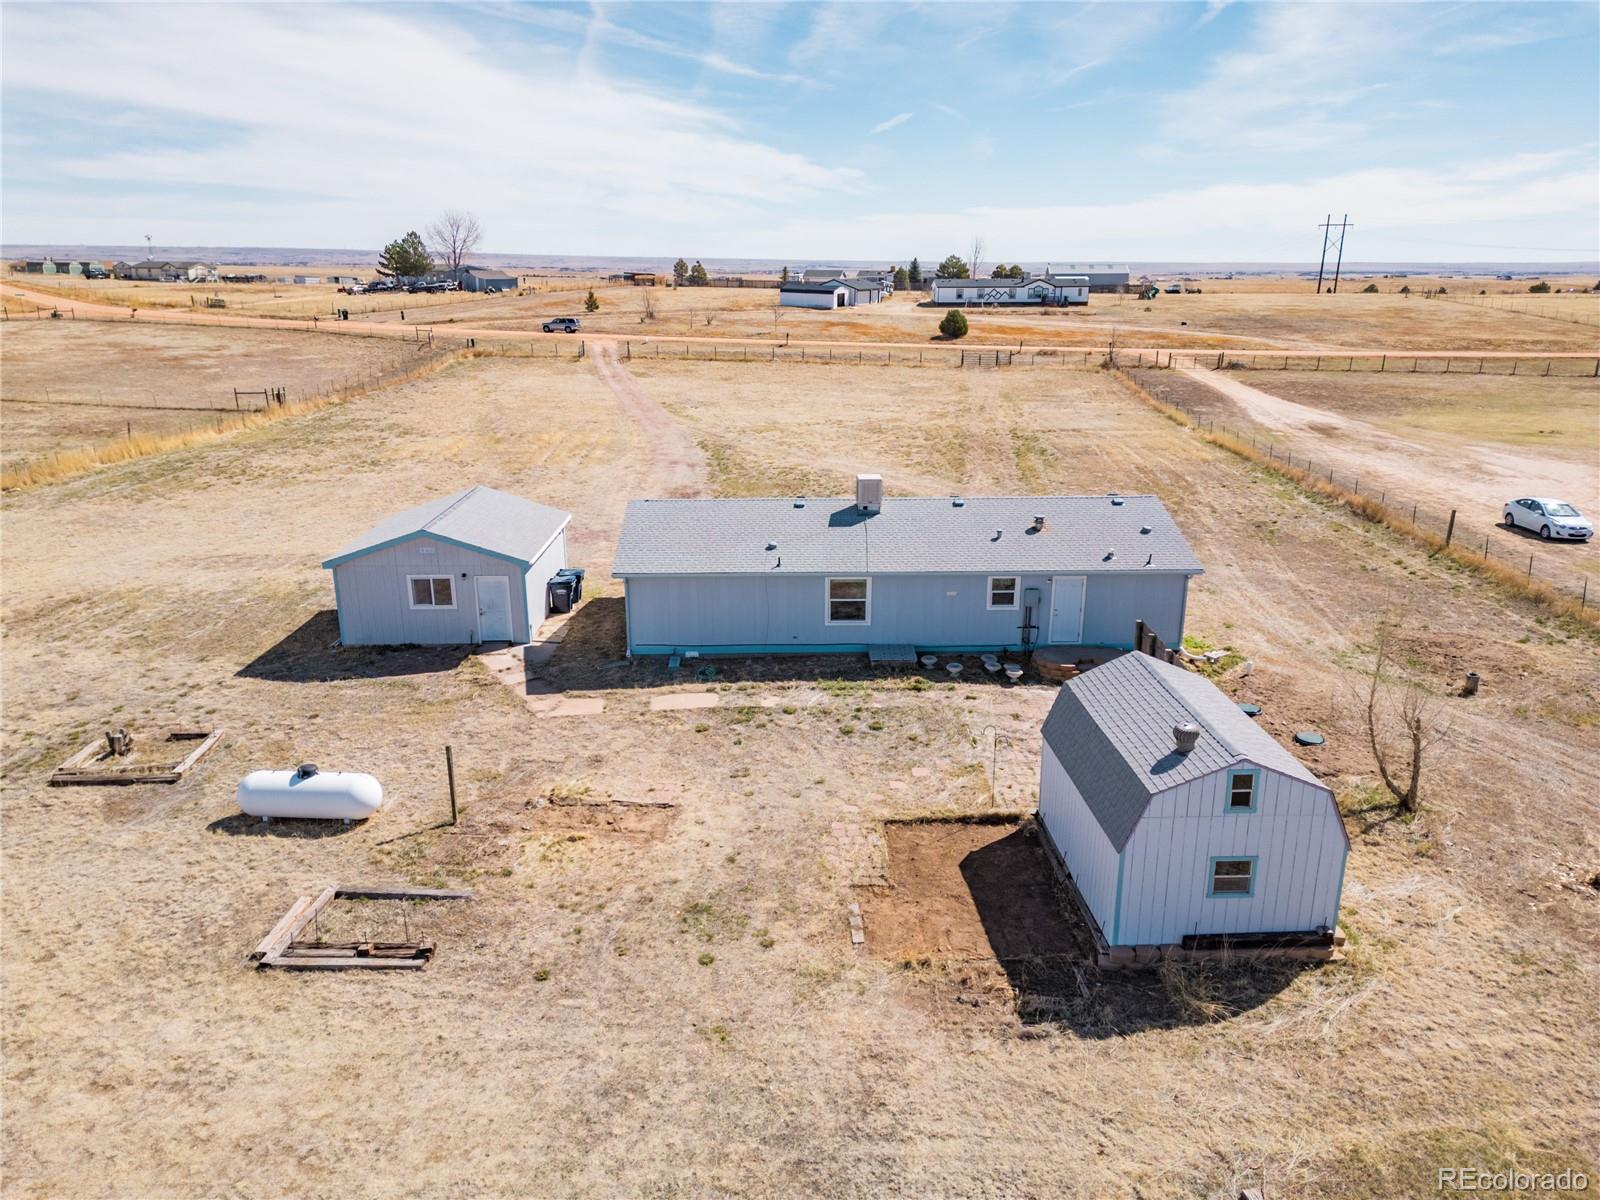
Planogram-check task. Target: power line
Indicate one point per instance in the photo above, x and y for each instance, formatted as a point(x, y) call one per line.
point(1327, 228)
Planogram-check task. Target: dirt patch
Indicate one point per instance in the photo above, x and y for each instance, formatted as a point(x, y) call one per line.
point(645, 822)
point(679, 465)
point(958, 888)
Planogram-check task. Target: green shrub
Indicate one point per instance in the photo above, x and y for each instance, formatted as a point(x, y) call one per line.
point(954, 324)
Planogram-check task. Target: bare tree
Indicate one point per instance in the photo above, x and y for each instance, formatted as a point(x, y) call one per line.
point(1403, 722)
point(977, 255)
point(453, 236)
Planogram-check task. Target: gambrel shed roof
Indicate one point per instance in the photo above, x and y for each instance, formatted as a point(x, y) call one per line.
point(1111, 728)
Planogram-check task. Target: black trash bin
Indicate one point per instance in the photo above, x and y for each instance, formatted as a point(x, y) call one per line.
point(564, 590)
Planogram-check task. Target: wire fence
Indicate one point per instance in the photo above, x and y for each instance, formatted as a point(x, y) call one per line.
point(1538, 365)
point(253, 398)
point(1518, 550)
point(1576, 310)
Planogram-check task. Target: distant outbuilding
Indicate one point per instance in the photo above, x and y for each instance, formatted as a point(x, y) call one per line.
point(466, 568)
point(1180, 820)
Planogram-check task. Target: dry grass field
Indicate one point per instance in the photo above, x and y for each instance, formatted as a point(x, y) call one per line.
point(654, 992)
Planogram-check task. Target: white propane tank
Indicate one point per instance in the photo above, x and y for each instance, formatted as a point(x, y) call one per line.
point(308, 793)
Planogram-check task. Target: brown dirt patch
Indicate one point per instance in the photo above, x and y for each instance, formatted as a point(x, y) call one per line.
point(958, 888)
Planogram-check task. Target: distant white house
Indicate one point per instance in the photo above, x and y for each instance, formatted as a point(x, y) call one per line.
point(1041, 289)
point(1180, 821)
point(818, 274)
point(831, 293)
point(164, 271)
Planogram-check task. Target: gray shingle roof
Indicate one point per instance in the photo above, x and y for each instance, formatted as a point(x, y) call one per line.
point(1111, 727)
point(796, 286)
point(478, 517)
point(910, 536)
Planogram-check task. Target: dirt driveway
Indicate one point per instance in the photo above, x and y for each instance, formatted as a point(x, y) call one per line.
point(679, 465)
point(1475, 479)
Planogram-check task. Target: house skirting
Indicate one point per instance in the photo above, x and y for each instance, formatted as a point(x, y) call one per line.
point(830, 648)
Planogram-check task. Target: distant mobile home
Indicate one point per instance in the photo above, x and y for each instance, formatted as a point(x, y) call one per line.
point(465, 568)
point(946, 574)
point(1041, 289)
point(1179, 819)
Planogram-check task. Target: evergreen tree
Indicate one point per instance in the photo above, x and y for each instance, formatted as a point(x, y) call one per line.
point(784, 278)
point(954, 324)
point(902, 279)
point(1540, 287)
point(698, 276)
point(1017, 272)
point(1001, 271)
point(914, 273)
point(407, 257)
point(592, 304)
point(680, 272)
point(954, 267)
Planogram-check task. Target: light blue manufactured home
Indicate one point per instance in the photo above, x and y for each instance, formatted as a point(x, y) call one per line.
point(1179, 819)
point(466, 568)
point(806, 575)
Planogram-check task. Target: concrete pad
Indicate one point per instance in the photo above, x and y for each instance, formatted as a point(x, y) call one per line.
point(681, 700)
point(578, 707)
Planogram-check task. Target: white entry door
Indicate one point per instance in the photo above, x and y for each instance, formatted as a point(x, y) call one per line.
point(494, 608)
point(1066, 609)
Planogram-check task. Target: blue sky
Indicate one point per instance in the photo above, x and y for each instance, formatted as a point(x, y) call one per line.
point(1198, 132)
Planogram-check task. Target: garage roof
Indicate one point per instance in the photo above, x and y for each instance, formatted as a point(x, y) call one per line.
point(478, 518)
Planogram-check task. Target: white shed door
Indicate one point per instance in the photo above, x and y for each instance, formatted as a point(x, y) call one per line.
point(494, 608)
point(1066, 609)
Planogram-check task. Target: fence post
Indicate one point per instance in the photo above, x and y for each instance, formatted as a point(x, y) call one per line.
point(1530, 568)
point(1450, 530)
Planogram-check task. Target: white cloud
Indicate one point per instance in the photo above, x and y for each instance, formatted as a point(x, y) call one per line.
point(893, 122)
point(1549, 200)
point(550, 154)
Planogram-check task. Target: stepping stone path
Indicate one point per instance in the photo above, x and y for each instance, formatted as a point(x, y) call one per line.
point(586, 706)
point(675, 701)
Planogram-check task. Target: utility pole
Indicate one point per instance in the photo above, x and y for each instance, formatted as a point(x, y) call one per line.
point(1327, 228)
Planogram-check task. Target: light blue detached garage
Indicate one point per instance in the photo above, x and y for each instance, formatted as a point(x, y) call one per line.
point(468, 567)
point(1180, 821)
point(948, 574)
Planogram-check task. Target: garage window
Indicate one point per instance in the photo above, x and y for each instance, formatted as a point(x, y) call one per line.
point(849, 601)
point(1232, 877)
point(1002, 591)
point(432, 591)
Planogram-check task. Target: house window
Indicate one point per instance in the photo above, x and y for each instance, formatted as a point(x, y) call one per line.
point(1232, 877)
point(1242, 791)
point(1002, 591)
point(849, 601)
point(432, 591)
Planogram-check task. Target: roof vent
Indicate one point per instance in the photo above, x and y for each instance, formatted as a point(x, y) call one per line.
point(306, 770)
point(869, 493)
point(1184, 737)
point(957, 502)
point(1110, 554)
point(1038, 521)
point(799, 501)
point(1144, 529)
point(998, 533)
point(1116, 500)
point(771, 545)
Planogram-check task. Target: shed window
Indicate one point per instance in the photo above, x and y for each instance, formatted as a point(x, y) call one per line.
point(432, 591)
point(1242, 791)
point(849, 601)
point(1002, 591)
point(1232, 877)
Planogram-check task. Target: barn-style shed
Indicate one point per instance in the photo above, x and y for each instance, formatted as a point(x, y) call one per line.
point(946, 574)
point(465, 568)
point(1178, 817)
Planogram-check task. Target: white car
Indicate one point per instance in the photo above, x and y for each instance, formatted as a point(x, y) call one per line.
point(1549, 518)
